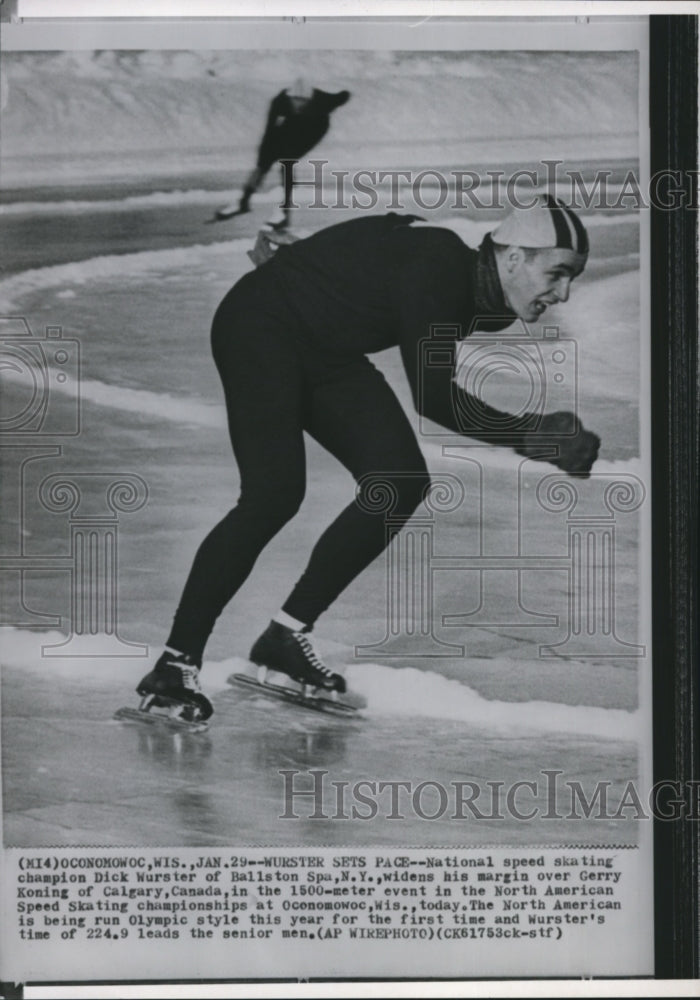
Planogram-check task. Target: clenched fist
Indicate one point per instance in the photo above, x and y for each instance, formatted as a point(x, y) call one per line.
point(576, 448)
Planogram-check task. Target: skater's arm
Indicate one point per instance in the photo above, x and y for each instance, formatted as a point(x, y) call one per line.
point(277, 111)
point(437, 396)
point(431, 295)
point(559, 437)
point(331, 101)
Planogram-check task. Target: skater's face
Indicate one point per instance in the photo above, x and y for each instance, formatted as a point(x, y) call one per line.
point(534, 280)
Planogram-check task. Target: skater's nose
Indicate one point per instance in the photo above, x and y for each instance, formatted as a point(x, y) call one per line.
point(562, 288)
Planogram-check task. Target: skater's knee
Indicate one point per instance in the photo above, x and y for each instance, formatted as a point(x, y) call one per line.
point(274, 507)
point(395, 493)
point(281, 509)
point(413, 489)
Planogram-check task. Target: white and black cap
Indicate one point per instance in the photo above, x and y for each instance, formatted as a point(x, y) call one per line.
point(547, 224)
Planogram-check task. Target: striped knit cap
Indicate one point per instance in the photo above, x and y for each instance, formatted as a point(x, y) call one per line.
point(546, 225)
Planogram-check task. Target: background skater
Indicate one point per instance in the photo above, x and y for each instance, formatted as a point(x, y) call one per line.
point(290, 342)
point(297, 120)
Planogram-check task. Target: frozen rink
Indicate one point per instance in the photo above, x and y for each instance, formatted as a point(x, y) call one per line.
point(119, 256)
point(73, 776)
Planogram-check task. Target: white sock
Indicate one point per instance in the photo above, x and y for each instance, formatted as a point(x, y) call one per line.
point(282, 618)
point(175, 652)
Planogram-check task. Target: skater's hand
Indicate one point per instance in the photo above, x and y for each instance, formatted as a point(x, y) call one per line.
point(267, 243)
point(577, 448)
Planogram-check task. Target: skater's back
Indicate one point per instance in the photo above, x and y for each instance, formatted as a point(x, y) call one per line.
point(365, 285)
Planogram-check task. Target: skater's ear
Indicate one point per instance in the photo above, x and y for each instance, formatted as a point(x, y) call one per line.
point(513, 257)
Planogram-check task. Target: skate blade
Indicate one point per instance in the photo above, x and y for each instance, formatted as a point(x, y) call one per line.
point(161, 719)
point(223, 214)
point(318, 703)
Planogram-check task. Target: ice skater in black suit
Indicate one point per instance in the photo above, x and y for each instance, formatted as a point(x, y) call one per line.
point(291, 342)
point(297, 120)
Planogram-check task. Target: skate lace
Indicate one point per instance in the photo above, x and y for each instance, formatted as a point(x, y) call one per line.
point(190, 677)
point(310, 654)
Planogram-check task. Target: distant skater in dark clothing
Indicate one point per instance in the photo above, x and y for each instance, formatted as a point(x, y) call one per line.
point(290, 342)
point(297, 120)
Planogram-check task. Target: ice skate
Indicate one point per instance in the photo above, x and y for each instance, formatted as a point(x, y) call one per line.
point(229, 212)
point(284, 651)
point(288, 652)
point(171, 695)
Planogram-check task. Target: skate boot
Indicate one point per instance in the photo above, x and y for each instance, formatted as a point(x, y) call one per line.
point(289, 652)
point(174, 684)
